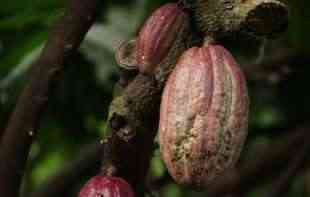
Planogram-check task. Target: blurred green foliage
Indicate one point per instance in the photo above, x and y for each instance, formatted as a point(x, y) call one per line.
point(79, 105)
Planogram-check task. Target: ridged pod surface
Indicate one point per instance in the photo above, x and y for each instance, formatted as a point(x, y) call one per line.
point(204, 116)
point(160, 34)
point(104, 186)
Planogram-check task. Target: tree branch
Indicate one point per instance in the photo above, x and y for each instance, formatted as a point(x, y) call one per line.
point(282, 184)
point(24, 122)
point(279, 66)
point(258, 170)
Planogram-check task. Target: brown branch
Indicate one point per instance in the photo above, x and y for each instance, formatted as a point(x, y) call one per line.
point(281, 186)
point(86, 164)
point(255, 171)
point(282, 63)
point(2, 127)
point(307, 181)
point(24, 122)
point(128, 149)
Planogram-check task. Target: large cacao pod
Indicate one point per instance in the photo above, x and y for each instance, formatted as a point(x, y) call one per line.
point(105, 186)
point(160, 35)
point(204, 116)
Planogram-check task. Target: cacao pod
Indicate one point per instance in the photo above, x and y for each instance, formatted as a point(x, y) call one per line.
point(104, 186)
point(159, 35)
point(203, 116)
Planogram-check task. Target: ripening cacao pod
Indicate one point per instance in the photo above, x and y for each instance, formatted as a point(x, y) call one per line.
point(104, 186)
point(203, 116)
point(160, 35)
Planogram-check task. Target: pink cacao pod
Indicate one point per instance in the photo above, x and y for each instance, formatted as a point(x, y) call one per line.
point(203, 116)
point(159, 34)
point(104, 186)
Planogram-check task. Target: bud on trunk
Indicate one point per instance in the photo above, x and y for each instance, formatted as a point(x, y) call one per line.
point(106, 187)
point(160, 35)
point(204, 116)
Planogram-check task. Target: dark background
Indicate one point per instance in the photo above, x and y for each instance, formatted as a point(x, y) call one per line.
point(76, 116)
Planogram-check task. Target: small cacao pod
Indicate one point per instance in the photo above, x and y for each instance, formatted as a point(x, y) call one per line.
point(203, 116)
point(159, 35)
point(105, 186)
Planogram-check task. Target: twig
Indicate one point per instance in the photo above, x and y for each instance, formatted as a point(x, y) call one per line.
point(283, 63)
point(281, 185)
point(87, 163)
point(306, 189)
point(255, 171)
point(24, 122)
